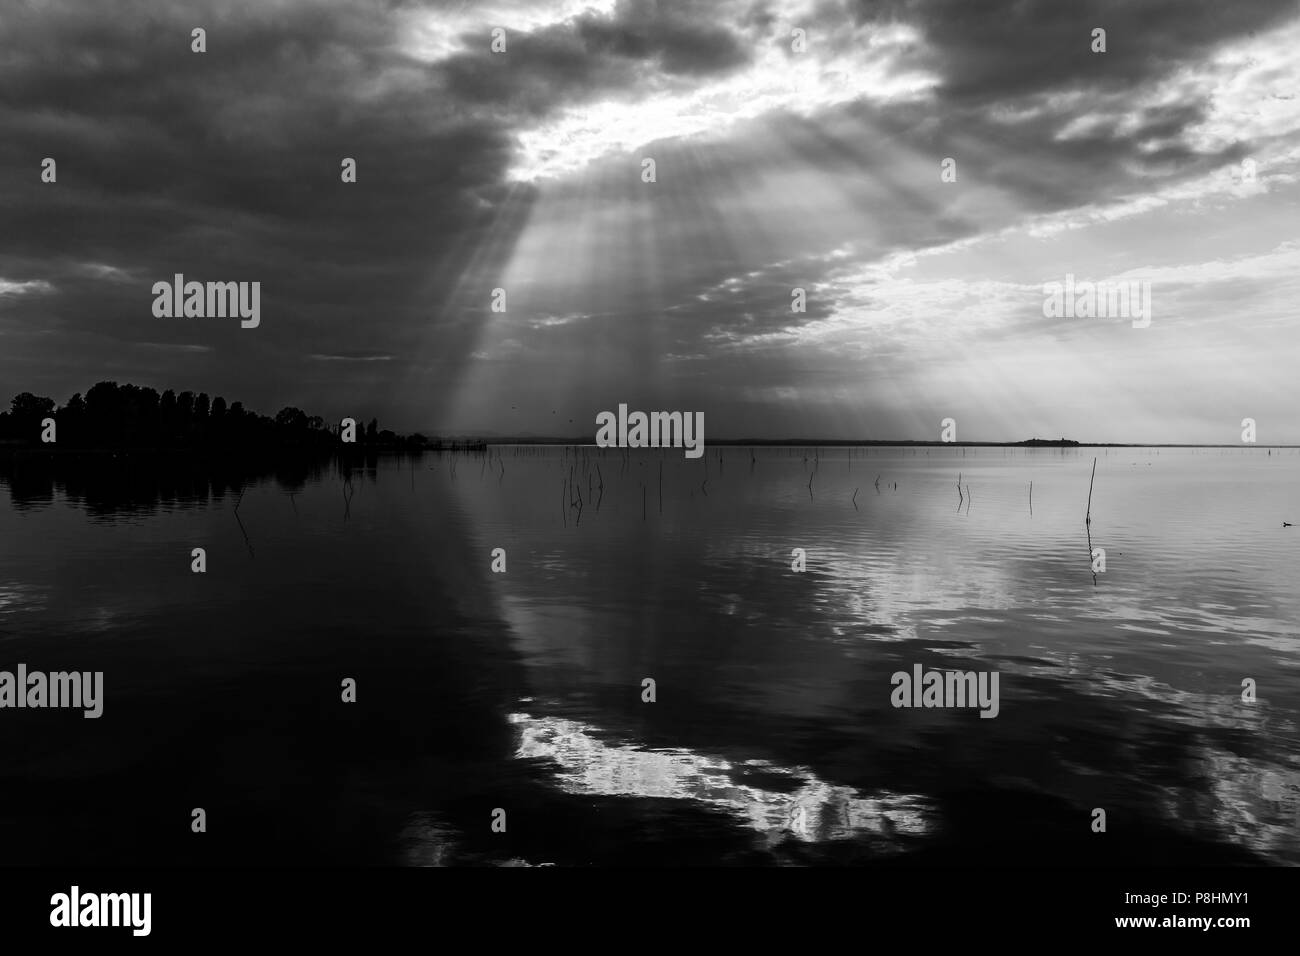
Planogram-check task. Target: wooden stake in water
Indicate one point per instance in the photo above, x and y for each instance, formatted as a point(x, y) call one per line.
point(1088, 517)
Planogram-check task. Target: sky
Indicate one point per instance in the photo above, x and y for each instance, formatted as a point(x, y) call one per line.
point(796, 145)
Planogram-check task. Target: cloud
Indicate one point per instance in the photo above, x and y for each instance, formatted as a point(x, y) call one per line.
point(29, 287)
point(352, 358)
point(997, 50)
point(107, 273)
point(175, 347)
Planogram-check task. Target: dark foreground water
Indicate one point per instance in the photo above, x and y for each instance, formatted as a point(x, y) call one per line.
point(772, 738)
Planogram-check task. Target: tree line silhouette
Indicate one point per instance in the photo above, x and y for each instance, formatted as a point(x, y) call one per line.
point(131, 416)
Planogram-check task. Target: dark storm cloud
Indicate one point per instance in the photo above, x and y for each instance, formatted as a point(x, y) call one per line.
point(995, 49)
point(640, 47)
point(681, 40)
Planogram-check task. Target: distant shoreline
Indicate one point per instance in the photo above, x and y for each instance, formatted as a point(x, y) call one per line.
point(854, 443)
point(16, 450)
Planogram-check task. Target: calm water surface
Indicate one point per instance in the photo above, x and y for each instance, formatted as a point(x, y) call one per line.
point(771, 740)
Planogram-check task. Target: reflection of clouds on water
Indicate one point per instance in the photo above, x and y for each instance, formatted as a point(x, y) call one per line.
point(427, 841)
point(1251, 801)
point(588, 765)
point(1230, 626)
point(18, 598)
point(1255, 807)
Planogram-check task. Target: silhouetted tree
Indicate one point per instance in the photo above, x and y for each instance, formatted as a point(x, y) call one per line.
point(184, 415)
point(72, 421)
point(201, 406)
point(167, 417)
point(104, 414)
point(290, 419)
point(25, 413)
point(217, 425)
point(133, 416)
point(140, 415)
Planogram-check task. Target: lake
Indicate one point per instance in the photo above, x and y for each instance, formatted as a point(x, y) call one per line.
point(504, 717)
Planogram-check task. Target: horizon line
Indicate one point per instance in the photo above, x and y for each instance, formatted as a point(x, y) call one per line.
point(871, 442)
